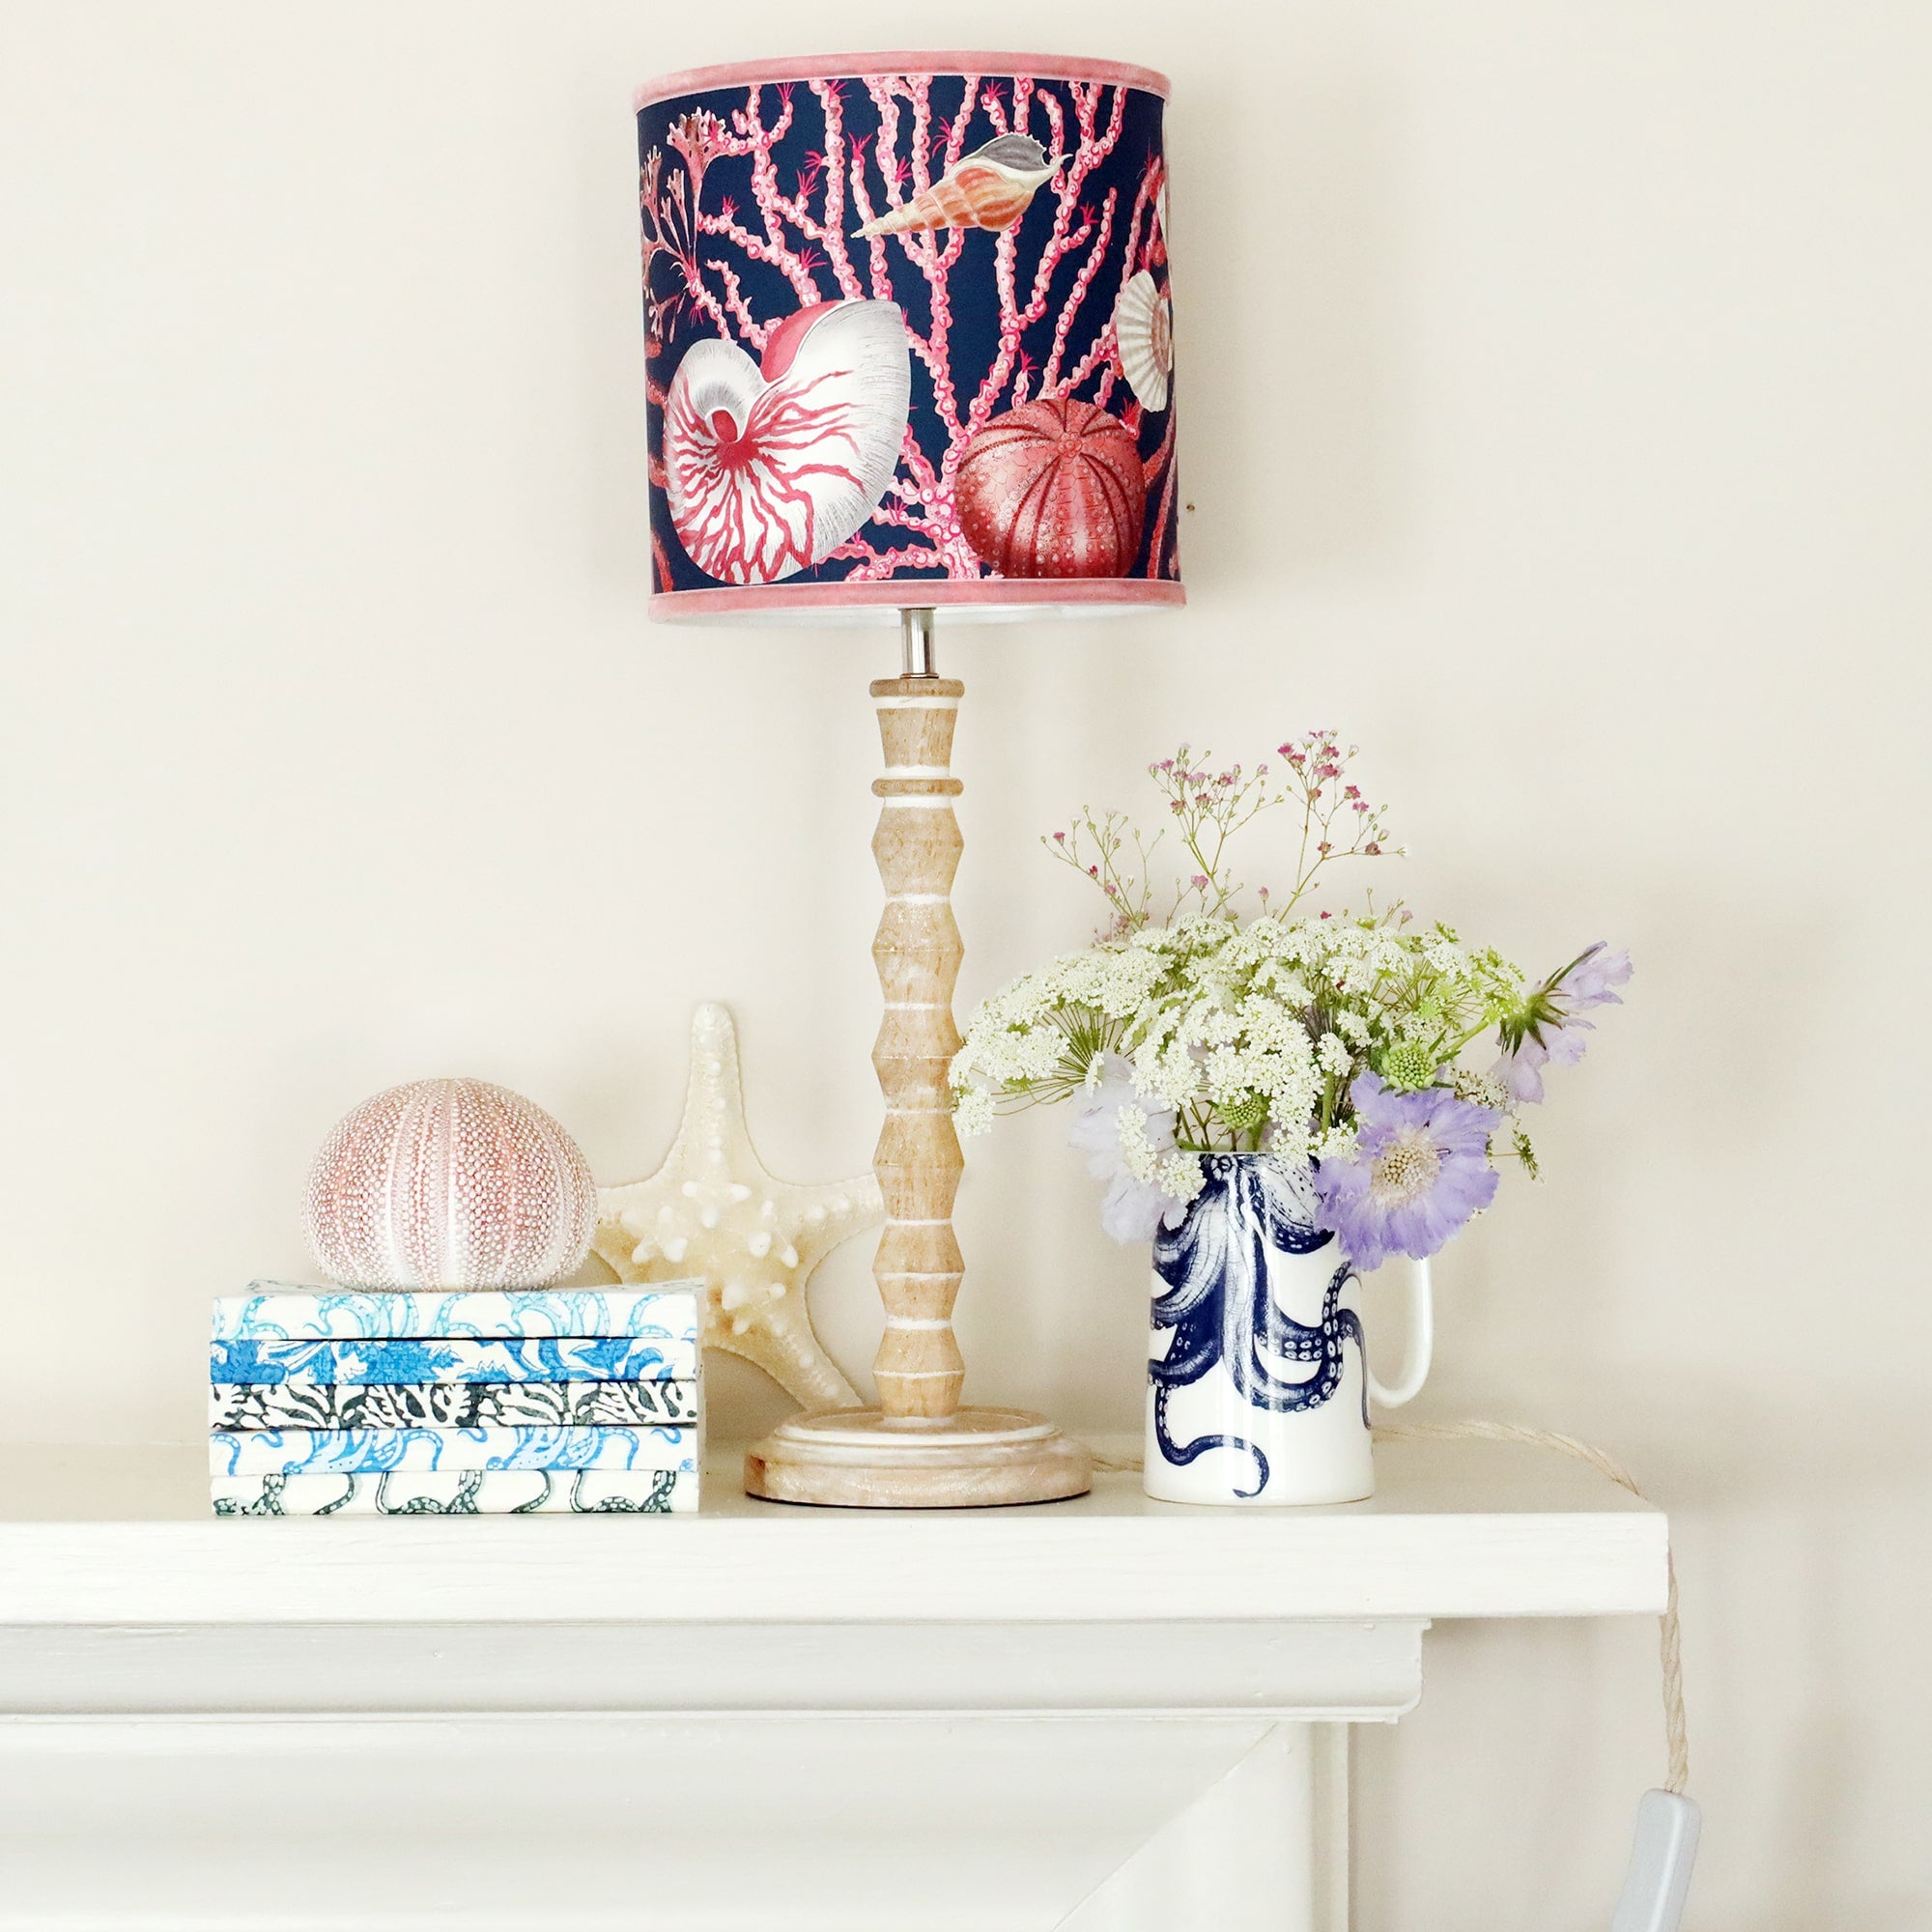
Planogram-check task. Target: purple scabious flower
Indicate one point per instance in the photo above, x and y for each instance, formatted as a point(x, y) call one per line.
point(1420, 1169)
point(1550, 1032)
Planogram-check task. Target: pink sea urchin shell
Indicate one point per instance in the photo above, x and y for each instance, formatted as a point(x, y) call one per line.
point(1053, 488)
point(449, 1183)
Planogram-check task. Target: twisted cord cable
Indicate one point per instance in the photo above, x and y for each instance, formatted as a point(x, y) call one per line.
point(1669, 1641)
point(1669, 1646)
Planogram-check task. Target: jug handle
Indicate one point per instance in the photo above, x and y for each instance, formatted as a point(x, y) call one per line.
point(1421, 1343)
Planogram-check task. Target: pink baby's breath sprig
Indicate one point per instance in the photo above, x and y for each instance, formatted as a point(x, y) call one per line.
point(1337, 822)
point(1207, 807)
point(1098, 845)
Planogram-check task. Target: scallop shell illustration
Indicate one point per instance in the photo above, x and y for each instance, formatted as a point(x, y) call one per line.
point(1144, 334)
point(449, 1183)
point(990, 187)
point(770, 466)
point(1053, 488)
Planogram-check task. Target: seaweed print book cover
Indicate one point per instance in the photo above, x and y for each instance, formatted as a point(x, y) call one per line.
point(907, 328)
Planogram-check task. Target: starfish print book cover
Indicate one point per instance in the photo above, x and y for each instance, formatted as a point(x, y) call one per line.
point(909, 327)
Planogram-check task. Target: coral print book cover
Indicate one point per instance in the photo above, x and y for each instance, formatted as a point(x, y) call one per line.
point(909, 327)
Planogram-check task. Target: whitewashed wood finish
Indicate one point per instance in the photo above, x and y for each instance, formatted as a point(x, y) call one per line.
point(919, 1369)
point(1457, 1531)
point(863, 1458)
point(918, 1448)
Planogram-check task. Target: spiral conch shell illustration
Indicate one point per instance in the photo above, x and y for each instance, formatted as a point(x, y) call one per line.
point(990, 187)
point(1144, 336)
point(770, 466)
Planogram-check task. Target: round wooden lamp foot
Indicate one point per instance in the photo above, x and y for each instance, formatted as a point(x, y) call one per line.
point(862, 1459)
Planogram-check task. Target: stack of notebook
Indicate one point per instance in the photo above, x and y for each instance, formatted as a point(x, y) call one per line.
point(500, 1403)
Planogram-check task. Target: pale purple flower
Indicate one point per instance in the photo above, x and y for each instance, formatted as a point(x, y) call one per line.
point(1552, 1032)
point(1133, 1208)
point(1588, 983)
point(1420, 1169)
point(1521, 1071)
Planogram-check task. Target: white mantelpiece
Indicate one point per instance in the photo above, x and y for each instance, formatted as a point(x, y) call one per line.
point(1069, 1716)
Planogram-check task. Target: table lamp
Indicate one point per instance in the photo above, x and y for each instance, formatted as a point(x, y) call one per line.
point(909, 349)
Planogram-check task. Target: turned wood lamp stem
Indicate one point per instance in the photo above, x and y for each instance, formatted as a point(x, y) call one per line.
point(918, 1367)
point(918, 1448)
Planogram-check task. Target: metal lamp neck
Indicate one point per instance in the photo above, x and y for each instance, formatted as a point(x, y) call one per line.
point(916, 643)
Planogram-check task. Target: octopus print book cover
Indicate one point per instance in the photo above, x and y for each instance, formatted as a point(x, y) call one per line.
point(907, 328)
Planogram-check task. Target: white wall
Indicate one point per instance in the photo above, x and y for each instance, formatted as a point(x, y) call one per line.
point(1555, 403)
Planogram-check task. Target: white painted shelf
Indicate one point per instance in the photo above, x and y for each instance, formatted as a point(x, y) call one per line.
point(1082, 1716)
point(123, 1536)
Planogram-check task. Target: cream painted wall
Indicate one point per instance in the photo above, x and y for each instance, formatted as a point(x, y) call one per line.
point(1555, 421)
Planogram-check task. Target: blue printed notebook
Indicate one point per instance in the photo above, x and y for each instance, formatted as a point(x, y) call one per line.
point(579, 1358)
point(483, 1402)
point(273, 1311)
point(292, 1452)
point(278, 1333)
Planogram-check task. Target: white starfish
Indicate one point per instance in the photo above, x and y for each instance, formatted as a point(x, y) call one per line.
point(712, 1209)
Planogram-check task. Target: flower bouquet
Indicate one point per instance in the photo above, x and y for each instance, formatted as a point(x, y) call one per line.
point(1277, 1101)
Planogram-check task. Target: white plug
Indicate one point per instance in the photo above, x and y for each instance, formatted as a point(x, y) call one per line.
point(1661, 1855)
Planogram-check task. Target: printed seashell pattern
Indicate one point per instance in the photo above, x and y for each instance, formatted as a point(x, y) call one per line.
point(449, 1184)
point(1008, 228)
point(990, 188)
point(770, 466)
point(1143, 337)
point(1053, 490)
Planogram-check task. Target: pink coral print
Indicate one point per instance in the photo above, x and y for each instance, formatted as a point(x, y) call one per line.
point(770, 466)
point(1003, 219)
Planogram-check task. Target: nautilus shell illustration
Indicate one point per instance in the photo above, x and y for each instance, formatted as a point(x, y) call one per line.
point(1144, 336)
point(987, 188)
point(770, 466)
point(1053, 488)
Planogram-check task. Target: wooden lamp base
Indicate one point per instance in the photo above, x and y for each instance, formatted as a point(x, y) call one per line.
point(918, 1449)
point(863, 1459)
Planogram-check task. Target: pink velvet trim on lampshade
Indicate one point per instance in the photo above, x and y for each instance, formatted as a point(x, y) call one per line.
point(449, 1184)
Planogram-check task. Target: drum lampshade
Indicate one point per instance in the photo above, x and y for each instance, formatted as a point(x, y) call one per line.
point(908, 338)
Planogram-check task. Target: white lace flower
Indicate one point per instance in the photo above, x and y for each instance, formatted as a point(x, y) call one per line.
point(973, 1111)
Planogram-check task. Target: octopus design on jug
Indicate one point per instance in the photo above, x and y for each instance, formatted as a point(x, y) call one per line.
point(1221, 1307)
